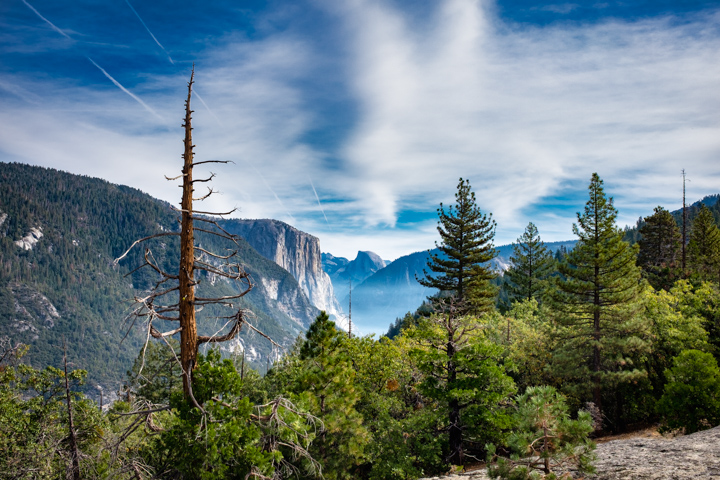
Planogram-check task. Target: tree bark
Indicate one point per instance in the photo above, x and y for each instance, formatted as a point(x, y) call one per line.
point(188, 334)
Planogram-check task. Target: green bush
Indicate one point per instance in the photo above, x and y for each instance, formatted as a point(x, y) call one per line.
point(544, 439)
point(691, 399)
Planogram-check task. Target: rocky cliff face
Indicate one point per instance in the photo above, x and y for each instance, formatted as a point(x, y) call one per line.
point(295, 251)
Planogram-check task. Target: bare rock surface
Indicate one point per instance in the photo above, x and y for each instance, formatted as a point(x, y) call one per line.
point(647, 457)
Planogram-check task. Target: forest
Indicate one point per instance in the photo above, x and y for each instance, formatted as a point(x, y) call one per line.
point(621, 332)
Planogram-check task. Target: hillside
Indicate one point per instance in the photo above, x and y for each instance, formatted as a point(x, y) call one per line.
point(59, 234)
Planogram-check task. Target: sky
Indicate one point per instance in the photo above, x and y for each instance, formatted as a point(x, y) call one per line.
point(353, 120)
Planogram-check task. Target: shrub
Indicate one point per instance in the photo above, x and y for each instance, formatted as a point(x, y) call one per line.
point(544, 439)
point(691, 398)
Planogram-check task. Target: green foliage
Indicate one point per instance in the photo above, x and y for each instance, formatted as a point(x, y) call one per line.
point(460, 271)
point(544, 439)
point(704, 246)
point(596, 306)
point(525, 331)
point(156, 373)
point(532, 266)
point(320, 375)
point(219, 442)
point(673, 328)
point(463, 375)
point(34, 423)
point(691, 399)
point(659, 247)
point(404, 440)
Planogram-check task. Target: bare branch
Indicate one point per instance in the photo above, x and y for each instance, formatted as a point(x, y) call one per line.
point(228, 336)
point(156, 334)
point(164, 234)
point(212, 175)
point(210, 192)
point(212, 161)
point(226, 257)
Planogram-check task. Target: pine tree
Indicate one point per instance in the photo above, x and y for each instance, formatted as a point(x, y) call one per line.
point(467, 245)
point(532, 266)
point(704, 246)
point(595, 306)
point(659, 248)
point(328, 379)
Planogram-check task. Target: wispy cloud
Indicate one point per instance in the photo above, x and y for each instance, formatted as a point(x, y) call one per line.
point(522, 112)
point(148, 30)
point(134, 97)
point(58, 30)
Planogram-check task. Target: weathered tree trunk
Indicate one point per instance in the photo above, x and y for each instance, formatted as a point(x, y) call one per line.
point(188, 334)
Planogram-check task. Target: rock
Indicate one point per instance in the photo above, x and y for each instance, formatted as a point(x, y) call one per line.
point(695, 456)
point(295, 251)
point(649, 457)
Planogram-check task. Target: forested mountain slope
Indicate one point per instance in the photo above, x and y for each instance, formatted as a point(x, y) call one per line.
point(59, 235)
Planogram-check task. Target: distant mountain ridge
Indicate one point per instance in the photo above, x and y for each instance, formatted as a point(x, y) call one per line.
point(392, 291)
point(342, 271)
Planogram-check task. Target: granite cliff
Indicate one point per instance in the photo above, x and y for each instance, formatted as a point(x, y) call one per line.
point(295, 251)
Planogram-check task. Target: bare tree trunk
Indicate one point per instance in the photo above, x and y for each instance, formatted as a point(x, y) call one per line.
point(74, 453)
point(188, 334)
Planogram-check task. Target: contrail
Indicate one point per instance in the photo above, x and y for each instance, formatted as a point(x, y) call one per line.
point(318, 200)
point(273, 192)
point(117, 84)
point(206, 106)
point(148, 30)
point(47, 21)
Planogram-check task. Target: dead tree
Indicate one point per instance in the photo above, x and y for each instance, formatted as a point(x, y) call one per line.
point(157, 305)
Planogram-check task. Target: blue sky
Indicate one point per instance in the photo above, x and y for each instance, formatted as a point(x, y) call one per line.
point(352, 120)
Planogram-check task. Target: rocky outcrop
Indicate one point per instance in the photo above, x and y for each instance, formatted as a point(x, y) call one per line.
point(295, 251)
point(29, 240)
point(647, 457)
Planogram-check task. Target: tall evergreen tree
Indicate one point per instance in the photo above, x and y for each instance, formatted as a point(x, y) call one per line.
point(461, 270)
point(328, 379)
point(595, 306)
point(704, 246)
point(532, 265)
point(659, 248)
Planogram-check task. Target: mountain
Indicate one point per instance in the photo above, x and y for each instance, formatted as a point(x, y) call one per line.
point(393, 291)
point(295, 251)
point(342, 271)
point(59, 235)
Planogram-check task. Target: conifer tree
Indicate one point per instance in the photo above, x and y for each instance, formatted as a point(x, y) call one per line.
point(596, 304)
point(659, 248)
point(467, 245)
point(704, 246)
point(328, 379)
point(532, 266)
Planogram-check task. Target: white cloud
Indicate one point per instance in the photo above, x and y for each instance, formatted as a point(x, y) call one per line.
point(520, 112)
